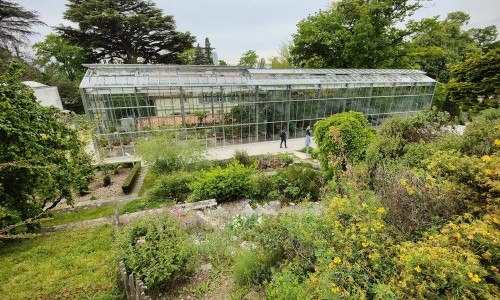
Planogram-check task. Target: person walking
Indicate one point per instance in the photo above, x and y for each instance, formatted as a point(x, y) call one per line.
point(283, 138)
point(308, 139)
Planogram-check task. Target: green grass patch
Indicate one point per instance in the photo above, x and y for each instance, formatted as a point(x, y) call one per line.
point(101, 212)
point(79, 216)
point(149, 181)
point(140, 204)
point(70, 264)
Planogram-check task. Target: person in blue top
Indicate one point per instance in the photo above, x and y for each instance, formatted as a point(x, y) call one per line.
point(308, 138)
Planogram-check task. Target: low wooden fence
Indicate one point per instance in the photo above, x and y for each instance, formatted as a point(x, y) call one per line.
point(135, 289)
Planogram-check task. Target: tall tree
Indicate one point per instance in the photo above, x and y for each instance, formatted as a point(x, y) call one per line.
point(475, 83)
point(249, 59)
point(41, 158)
point(57, 52)
point(62, 64)
point(354, 34)
point(188, 56)
point(208, 52)
point(284, 58)
point(199, 56)
point(15, 25)
point(435, 44)
point(125, 30)
point(486, 37)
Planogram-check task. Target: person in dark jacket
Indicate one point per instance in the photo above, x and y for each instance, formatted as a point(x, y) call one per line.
point(283, 138)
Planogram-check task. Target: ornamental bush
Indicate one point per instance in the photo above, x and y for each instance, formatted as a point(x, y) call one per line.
point(174, 187)
point(346, 253)
point(460, 261)
point(479, 136)
point(157, 250)
point(165, 154)
point(345, 135)
point(231, 183)
point(397, 133)
point(297, 183)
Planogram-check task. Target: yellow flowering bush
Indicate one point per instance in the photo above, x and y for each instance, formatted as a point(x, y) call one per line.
point(477, 178)
point(359, 259)
point(460, 261)
point(433, 272)
point(415, 201)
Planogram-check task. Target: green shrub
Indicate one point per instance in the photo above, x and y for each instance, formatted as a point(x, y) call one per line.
point(286, 158)
point(166, 155)
point(128, 184)
point(251, 267)
point(231, 183)
point(217, 248)
point(264, 185)
point(344, 136)
point(285, 285)
point(296, 183)
point(479, 135)
point(396, 133)
point(313, 152)
point(243, 158)
point(157, 250)
point(174, 187)
point(288, 238)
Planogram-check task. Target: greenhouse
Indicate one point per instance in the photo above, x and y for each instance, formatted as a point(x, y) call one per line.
point(235, 105)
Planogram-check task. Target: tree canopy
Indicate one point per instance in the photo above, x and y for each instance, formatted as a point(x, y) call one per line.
point(15, 24)
point(435, 44)
point(41, 158)
point(475, 83)
point(249, 59)
point(353, 34)
point(57, 52)
point(129, 31)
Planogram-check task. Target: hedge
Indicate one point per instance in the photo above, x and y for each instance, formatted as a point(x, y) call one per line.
point(129, 182)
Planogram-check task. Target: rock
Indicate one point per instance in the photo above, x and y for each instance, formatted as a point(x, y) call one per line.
point(269, 210)
point(206, 267)
point(247, 245)
point(246, 210)
point(266, 210)
point(276, 204)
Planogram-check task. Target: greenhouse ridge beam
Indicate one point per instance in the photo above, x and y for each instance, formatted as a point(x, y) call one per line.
point(178, 75)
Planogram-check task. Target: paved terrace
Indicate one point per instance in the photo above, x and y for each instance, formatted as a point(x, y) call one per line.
point(225, 152)
point(272, 147)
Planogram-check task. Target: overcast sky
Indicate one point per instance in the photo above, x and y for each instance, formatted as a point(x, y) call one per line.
point(235, 26)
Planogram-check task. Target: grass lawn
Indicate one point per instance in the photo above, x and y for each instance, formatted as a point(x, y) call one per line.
point(101, 212)
point(79, 216)
point(70, 264)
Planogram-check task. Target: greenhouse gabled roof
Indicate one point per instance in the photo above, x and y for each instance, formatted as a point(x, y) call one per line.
point(99, 75)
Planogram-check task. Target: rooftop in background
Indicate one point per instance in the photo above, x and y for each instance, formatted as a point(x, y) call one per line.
point(181, 75)
point(45, 95)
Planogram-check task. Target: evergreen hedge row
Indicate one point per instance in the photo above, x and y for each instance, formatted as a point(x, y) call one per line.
point(129, 182)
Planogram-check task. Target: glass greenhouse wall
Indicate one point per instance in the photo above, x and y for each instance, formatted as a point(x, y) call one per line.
point(233, 105)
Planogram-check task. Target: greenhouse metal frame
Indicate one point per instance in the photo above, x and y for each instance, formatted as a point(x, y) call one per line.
point(235, 105)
